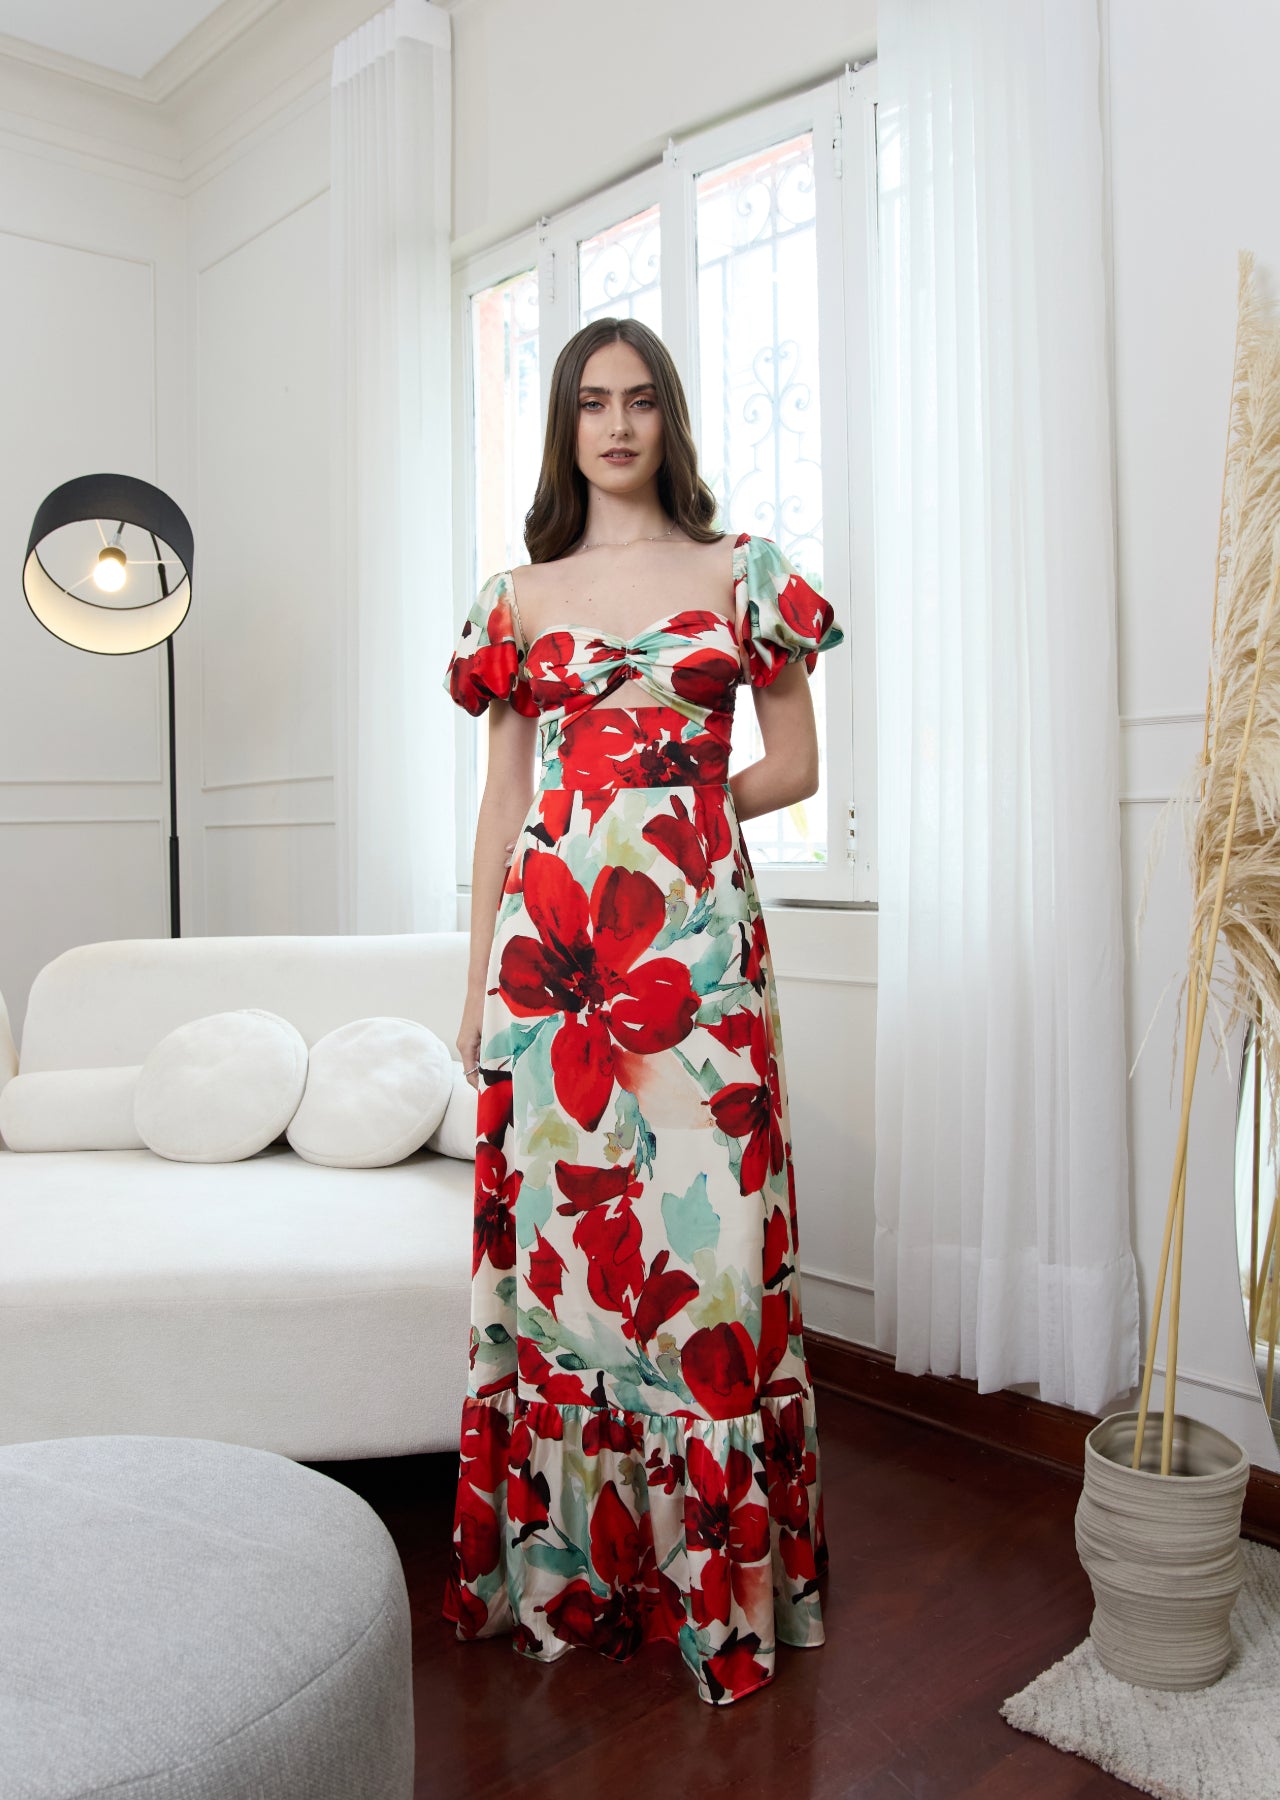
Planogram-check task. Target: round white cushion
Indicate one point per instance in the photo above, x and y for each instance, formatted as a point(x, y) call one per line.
point(376, 1090)
point(222, 1087)
point(455, 1135)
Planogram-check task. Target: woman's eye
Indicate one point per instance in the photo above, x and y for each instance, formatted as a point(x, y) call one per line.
point(643, 401)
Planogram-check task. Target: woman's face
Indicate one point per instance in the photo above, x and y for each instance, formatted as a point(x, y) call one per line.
point(618, 413)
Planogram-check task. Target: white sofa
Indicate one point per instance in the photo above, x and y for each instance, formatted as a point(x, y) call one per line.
point(317, 1312)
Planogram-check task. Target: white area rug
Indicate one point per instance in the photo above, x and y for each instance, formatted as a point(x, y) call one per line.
point(1219, 1743)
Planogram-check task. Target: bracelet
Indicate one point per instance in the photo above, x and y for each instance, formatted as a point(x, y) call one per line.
point(471, 1071)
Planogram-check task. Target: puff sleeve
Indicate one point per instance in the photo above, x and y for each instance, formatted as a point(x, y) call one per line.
point(781, 618)
point(488, 661)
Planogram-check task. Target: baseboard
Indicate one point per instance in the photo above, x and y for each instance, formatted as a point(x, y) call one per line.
point(1032, 1428)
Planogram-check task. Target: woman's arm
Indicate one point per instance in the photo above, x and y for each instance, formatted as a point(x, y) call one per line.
point(508, 795)
point(788, 771)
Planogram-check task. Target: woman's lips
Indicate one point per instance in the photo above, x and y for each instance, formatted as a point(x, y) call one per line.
point(620, 455)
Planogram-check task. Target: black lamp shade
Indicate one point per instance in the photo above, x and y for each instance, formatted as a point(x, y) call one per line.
point(109, 630)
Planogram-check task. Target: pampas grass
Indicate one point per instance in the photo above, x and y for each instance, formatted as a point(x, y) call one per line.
point(1232, 799)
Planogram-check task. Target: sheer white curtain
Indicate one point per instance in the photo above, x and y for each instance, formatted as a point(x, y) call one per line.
point(393, 575)
point(1002, 1226)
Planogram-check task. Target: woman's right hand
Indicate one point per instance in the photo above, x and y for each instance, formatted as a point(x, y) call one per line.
point(468, 1040)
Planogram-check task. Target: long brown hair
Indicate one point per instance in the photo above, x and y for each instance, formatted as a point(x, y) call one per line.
point(558, 516)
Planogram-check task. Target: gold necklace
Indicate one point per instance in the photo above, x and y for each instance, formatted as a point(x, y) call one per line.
point(622, 543)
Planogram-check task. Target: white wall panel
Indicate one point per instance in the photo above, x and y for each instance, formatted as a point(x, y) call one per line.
point(77, 369)
point(75, 879)
point(275, 877)
point(263, 460)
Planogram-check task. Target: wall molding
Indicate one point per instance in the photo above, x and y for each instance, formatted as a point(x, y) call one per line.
point(844, 1281)
point(220, 787)
point(1006, 1421)
point(259, 824)
point(16, 781)
point(1130, 721)
point(88, 819)
point(866, 981)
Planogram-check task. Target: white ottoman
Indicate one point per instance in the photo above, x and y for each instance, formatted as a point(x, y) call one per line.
point(189, 1620)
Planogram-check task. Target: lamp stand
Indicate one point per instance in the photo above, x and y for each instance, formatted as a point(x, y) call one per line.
point(175, 911)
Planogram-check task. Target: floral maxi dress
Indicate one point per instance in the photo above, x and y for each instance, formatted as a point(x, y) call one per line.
point(639, 1454)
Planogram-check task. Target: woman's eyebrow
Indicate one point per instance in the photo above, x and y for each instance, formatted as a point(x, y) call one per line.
point(643, 388)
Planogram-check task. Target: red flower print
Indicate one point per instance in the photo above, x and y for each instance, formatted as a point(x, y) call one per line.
point(719, 1517)
point(796, 1551)
point(603, 1430)
point(528, 1500)
point(548, 654)
point(755, 945)
point(703, 675)
point(494, 1230)
point(753, 1110)
point(733, 1029)
point(676, 836)
point(791, 1197)
point(555, 809)
point(561, 1387)
point(475, 1533)
point(806, 612)
point(775, 1248)
point(546, 1269)
point(775, 1327)
point(791, 1469)
point(663, 1294)
point(485, 1437)
point(467, 1610)
point(610, 1240)
point(536, 1420)
point(611, 1624)
point(735, 1671)
point(664, 1474)
point(584, 963)
point(710, 820)
point(719, 1366)
point(494, 1109)
point(615, 1538)
point(490, 670)
point(585, 1186)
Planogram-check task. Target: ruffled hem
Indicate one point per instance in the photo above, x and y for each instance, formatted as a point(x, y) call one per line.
point(580, 1527)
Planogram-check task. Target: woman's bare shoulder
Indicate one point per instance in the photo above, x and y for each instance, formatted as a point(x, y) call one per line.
point(534, 579)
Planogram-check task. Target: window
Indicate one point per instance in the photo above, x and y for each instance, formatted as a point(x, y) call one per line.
point(750, 248)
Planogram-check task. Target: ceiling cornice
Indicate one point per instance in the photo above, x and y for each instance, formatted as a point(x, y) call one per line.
point(247, 67)
point(71, 67)
point(209, 39)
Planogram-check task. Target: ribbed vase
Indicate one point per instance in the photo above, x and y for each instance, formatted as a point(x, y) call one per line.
point(1162, 1552)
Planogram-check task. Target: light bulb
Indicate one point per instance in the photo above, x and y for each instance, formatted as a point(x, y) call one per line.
point(111, 569)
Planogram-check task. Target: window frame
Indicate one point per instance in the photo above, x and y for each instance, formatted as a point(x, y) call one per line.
point(840, 112)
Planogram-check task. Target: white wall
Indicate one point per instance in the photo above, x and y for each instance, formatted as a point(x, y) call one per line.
point(92, 354)
point(1194, 164)
point(259, 284)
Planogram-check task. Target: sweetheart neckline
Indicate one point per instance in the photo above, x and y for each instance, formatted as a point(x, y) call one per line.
point(617, 637)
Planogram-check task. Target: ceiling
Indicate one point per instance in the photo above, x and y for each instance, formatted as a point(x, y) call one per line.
point(129, 37)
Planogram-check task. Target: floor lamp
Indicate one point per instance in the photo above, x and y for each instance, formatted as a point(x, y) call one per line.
point(116, 606)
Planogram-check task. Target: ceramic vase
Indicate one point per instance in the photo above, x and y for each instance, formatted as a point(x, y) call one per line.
point(1162, 1552)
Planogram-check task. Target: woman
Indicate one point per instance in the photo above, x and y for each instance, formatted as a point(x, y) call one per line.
point(639, 1451)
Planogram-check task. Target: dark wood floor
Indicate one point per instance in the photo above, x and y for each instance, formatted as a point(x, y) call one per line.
point(953, 1581)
